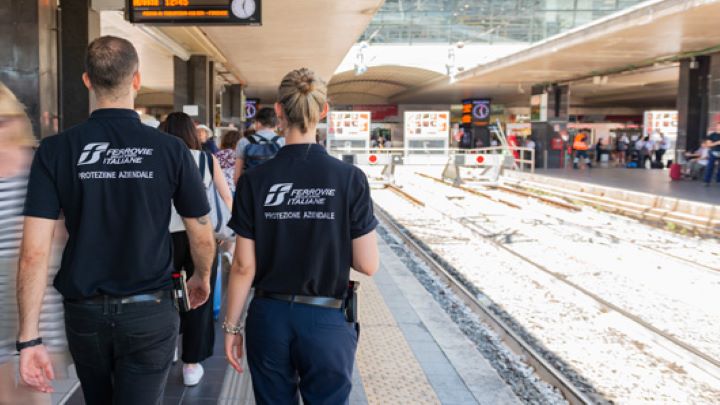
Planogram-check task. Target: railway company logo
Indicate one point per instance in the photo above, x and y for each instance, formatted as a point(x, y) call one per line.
point(276, 195)
point(92, 152)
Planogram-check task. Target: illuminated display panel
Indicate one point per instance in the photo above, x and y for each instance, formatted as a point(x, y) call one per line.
point(194, 12)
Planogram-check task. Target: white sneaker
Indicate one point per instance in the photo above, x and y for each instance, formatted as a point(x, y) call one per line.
point(228, 259)
point(192, 374)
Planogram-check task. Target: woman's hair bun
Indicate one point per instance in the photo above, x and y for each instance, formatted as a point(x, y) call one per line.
point(305, 82)
point(303, 96)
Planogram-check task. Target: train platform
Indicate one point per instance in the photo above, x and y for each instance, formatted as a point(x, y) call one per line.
point(409, 352)
point(654, 182)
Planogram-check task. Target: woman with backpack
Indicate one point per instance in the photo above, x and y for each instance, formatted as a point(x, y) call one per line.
point(197, 327)
point(261, 146)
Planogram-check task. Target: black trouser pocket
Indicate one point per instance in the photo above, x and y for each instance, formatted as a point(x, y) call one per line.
point(84, 345)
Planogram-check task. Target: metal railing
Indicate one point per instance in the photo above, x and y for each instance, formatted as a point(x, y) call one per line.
point(524, 158)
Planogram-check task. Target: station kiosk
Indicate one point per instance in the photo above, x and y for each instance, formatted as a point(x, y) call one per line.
point(427, 137)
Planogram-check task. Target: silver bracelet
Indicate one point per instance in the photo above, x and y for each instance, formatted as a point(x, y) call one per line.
point(233, 329)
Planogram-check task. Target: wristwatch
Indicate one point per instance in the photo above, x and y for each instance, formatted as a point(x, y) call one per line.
point(233, 329)
point(19, 346)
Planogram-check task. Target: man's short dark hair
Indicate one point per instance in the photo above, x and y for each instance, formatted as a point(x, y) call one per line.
point(110, 63)
point(267, 117)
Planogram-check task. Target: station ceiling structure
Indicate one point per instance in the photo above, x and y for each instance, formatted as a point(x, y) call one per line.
point(623, 58)
point(294, 34)
point(615, 52)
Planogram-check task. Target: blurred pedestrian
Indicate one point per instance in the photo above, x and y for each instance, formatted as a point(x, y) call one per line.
point(226, 156)
point(581, 144)
point(260, 147)
point(16, 149)
point(197, 326)
point(714, 145)
point(662, 145)
point(622, 147)
point(207, 139)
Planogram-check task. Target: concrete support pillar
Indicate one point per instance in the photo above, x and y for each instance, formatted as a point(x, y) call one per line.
point(28, 54)
point(79, 25)
point(194, 85)
point(558, 102)
point(713, 109)
point(557, 107)
point(233, 104)
point(692, 103)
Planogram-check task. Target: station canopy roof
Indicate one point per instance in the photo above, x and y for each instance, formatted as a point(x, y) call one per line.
point(627, 58)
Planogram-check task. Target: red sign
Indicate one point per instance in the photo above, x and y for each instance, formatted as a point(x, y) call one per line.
point(556, 143)
point(379, 111)
point(373, 158)
point(480, 159)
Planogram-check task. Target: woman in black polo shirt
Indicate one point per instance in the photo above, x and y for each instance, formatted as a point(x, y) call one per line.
point(302, 219)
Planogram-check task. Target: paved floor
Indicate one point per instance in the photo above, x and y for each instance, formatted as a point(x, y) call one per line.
point(641, 180)
point(410, 352)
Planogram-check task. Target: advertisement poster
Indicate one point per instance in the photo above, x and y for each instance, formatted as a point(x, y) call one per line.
point(427, 124)
point(349, 124)
point(656, 122)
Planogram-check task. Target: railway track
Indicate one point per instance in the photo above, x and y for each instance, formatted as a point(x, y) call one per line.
point(530, 193)
point(660, 217)
point(685, 352)
point(545, 370)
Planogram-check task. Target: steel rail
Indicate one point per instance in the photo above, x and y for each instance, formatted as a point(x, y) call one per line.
point(700, 360)
point(545, 370)
point(614, 235)
point(470, 190)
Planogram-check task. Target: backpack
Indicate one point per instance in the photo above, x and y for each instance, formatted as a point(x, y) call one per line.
point(219, 212)
point(260, 151)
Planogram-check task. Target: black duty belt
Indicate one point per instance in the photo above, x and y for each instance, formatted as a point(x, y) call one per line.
point(132, 299)
point(326, 302)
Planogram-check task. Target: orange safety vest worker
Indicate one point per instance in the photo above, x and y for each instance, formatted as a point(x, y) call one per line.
point(580, 143)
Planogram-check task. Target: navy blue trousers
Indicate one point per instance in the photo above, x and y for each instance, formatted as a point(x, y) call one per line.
point(297, 347)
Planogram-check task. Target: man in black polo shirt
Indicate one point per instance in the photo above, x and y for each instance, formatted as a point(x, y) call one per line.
point(113, 179)
point(714, 155)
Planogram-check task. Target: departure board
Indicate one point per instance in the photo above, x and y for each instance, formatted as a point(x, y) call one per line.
point(194, 12)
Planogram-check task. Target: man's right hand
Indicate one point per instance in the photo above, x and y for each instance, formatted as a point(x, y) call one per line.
point(198, 291)
point(36, 369)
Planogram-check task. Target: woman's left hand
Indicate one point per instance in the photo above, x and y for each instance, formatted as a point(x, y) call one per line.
point(234, 351)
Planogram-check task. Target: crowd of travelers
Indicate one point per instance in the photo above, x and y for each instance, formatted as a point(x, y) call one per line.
point(146, 212)
point(649, 152)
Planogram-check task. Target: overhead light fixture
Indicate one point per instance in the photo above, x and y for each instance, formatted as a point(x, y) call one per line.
point(360, 66)
point(450, 67)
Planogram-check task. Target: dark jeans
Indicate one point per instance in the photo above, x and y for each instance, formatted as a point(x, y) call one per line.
point(712, 158)
point(659, 155)
point(197, 326)
point(122, 353)
point(297, 346)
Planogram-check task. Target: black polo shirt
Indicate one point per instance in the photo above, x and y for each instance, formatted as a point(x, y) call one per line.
point(113, 178)
point(714, 137)
point(303, 209)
